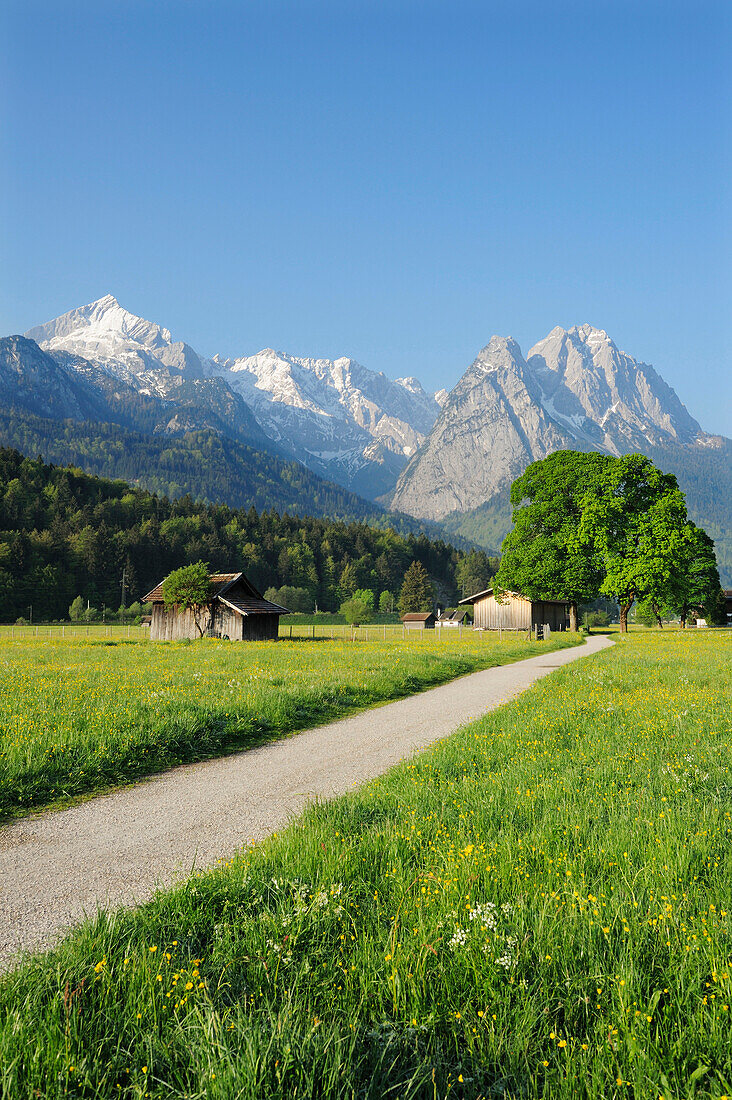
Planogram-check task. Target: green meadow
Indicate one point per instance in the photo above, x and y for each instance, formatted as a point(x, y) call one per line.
point(539, 906)
point(80, 713)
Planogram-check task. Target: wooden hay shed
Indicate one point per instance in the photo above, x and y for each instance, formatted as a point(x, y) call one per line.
point(516, 612)
point(419, 620)
point(455, 617)
point(237, 611)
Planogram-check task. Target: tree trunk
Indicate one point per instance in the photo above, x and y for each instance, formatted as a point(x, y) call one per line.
point(657, 613)
point(573, 615)
point(624, 609)
point(682, 619)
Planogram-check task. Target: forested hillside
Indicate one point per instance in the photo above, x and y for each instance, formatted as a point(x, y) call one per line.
point(203, 463)
point(65, 533)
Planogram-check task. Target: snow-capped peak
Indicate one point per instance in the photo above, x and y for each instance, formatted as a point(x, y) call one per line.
point(101, 320)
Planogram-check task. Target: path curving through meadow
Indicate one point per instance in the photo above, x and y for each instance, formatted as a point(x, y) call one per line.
point(117, 849)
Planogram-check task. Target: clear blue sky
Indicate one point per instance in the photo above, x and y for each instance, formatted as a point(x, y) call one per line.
point(394, 180)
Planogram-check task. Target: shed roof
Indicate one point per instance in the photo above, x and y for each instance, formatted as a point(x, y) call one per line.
point(245, 605)
point(489, 592)
point(234, 590)
point(219, 583)
point(417, 616)
point(456, 615)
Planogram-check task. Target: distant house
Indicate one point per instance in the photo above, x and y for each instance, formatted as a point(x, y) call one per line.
point(419, 620)
point(237, 611)
point(516, 612)
point(454, 616)
point(728, 605)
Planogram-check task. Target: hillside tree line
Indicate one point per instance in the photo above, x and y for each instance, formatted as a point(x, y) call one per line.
point(66, 536)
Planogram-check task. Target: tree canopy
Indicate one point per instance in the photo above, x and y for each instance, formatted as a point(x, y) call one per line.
point(695, 585)
point(634, 516)
point(542, 557)
point(189, 589)
point(593, 523)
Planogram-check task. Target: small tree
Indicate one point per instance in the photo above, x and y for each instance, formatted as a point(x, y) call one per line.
point(356, 610)
point(595, 618)
point(190, 589)
point(76, 611)
point(417, 593)
point(367, 597)
point(647, 613)
point(386, 602)
point(717, 610)
point(695, 583)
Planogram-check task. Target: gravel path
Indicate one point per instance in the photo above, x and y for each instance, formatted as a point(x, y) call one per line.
point(118, 848)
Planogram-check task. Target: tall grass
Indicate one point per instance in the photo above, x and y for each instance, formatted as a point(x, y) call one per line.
point(539, 906)
point(78, 716)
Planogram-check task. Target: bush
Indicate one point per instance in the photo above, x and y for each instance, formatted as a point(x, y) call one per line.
point(356, 611)
point(76, 610)
point(595, 618)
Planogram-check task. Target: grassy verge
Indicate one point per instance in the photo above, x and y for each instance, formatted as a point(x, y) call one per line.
point(540, 906)
point(78, 716)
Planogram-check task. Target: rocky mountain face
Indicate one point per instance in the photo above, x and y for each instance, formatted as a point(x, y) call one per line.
point(341, 420)
point(491, 427)
point(603, 396)
point(574, 390)
point(65, 386)
point(32, 380)
point(348, 423)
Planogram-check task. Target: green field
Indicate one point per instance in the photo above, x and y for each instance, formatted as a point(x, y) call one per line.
point(80, 712)
point(539, 906)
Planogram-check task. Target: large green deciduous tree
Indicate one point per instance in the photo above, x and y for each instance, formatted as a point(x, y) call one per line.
point(417, 593)
point(635, 516)
point(189, 588)
point(542, 557)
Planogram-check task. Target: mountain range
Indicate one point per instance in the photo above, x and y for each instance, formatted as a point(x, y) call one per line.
point(441, 457)
point(348, 424)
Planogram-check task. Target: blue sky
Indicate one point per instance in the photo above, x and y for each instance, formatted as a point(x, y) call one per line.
point(394, 180)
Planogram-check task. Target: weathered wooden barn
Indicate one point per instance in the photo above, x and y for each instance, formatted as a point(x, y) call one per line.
point(237, 611)
point(516, 612)
point(419, 620)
